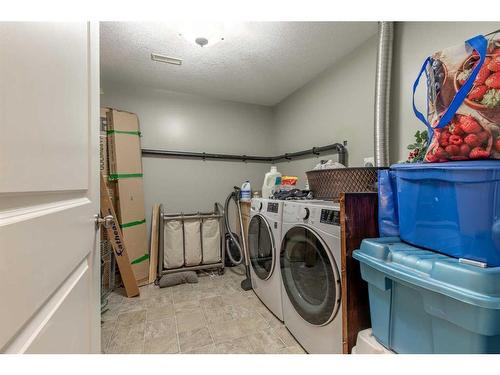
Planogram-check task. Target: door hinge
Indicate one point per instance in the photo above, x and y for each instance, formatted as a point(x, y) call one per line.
point(105, 221)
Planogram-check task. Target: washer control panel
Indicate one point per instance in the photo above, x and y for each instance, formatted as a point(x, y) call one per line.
point(272, 207)
point(331, 217)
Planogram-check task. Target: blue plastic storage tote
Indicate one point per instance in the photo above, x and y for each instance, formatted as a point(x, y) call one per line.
point(388, 221)
point(425, 302)
point(453, 208)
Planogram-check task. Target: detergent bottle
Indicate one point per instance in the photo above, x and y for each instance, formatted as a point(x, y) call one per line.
point(246, 192)
point(272, 181)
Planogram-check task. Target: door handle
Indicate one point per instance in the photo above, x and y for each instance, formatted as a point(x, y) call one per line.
point(105, 221)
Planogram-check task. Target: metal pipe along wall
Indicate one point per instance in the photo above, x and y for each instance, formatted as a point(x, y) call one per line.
point(383, 93)
point(339, 148)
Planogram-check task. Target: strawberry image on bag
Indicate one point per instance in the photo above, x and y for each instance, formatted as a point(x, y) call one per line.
point(463, 101)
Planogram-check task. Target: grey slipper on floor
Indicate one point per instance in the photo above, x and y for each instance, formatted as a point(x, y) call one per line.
point(178, 278)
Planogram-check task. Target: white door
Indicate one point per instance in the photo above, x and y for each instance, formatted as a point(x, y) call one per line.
point(49, 192)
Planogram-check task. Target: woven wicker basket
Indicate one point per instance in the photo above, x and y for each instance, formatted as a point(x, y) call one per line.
point(327, 184)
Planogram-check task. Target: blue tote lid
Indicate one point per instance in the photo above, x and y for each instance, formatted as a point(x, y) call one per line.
point(432, 271)
point(463, 165)
point(456, 171)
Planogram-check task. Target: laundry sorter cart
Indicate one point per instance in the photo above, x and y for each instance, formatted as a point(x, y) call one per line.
point(191, 242)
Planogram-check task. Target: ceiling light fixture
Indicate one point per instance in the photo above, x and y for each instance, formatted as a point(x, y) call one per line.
point(165, 59)
point(204, 34)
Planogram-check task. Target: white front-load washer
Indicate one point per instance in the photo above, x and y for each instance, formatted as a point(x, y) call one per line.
point(264, 235)
point(310, 263)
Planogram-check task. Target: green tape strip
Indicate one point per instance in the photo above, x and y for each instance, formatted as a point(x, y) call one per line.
point(140, 259)
point(124, 132)
point(113, 177)
point(132, 223)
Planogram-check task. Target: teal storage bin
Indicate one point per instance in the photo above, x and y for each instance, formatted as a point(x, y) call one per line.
point(425, 302)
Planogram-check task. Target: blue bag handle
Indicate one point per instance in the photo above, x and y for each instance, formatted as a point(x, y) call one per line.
point(478, 43)
point(419, 114)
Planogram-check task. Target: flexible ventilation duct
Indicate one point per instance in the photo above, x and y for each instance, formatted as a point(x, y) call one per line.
point(383, 93)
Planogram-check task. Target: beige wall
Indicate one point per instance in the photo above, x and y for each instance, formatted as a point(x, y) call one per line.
point(335, 106)
point(413, 42)
point(175, 121)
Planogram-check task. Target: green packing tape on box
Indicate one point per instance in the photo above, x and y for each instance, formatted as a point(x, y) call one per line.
point(124, 132)
point(132, 223)
point(140, 259)
point(118, 176)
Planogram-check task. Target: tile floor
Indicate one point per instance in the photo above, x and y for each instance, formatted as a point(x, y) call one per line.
point(213, 316)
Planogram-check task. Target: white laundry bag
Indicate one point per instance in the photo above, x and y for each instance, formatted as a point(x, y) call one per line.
point(192, 242)
point(211, 241)
point(173, 252)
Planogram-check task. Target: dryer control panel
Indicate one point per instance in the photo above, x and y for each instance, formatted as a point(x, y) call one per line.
point(331, 217)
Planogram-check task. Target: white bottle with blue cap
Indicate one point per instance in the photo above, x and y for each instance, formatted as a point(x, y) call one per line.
point(246, 192)
point(272, 182)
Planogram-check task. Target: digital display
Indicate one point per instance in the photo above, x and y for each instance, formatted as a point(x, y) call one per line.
point(331, 217)
point(272, 207)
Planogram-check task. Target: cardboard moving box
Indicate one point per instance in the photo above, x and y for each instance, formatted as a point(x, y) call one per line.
point(104, 156)
point(117, 242)
point(103, 152)
point(103, 143)
point(125, 167)
point(124, 144)
point(124, 155)
point(135, 237)
point(130, 200)
point(104, 120)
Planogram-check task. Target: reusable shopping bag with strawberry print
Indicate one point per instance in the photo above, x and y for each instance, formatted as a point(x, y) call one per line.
point(463, 101)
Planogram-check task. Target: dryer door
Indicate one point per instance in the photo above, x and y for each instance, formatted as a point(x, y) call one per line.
point(310, 275)
point(261, 247)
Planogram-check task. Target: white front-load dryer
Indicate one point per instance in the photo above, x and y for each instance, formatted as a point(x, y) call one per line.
point(264, 235)
point(310, 261)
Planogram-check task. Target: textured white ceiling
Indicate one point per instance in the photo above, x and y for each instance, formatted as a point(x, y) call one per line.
point(257, 62)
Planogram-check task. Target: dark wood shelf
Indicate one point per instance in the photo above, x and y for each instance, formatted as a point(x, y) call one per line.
point(359, 220)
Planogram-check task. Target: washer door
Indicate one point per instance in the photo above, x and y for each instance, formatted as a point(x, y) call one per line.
point(261, 247)
point(310, 275)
